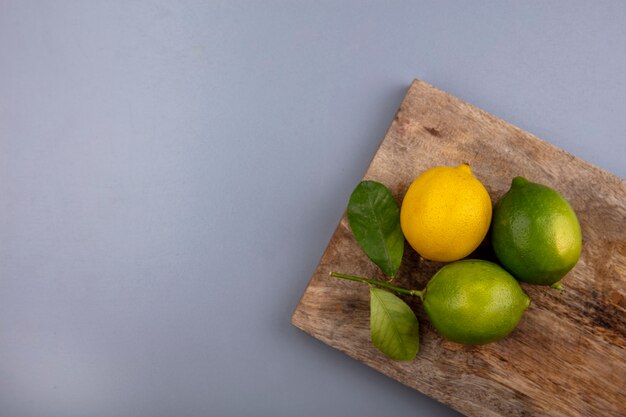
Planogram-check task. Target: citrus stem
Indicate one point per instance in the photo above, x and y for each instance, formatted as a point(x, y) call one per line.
point(557, 285)
point(381, 284)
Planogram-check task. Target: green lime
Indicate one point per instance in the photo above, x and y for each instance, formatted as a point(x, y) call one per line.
point(474, 302)
point(535, 233)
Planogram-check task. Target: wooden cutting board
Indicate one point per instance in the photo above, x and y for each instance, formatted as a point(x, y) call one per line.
point(568, 355)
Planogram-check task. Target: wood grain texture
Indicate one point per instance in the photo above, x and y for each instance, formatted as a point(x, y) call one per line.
point(568, 355)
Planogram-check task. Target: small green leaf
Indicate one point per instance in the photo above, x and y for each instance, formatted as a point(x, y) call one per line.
point(393, 325)
point(374, 218)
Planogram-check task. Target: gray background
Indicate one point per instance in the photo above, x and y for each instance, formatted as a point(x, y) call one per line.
point(170, 173)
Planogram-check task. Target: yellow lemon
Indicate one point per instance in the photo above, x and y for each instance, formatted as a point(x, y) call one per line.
point(445, 213)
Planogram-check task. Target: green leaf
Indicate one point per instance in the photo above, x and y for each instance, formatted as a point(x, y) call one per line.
point(374, 218)
point(393, 325)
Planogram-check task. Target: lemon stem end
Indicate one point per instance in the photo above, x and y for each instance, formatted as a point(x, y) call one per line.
point(519, 182)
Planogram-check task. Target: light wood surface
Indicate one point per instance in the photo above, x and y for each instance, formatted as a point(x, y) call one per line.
point(568, 355)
